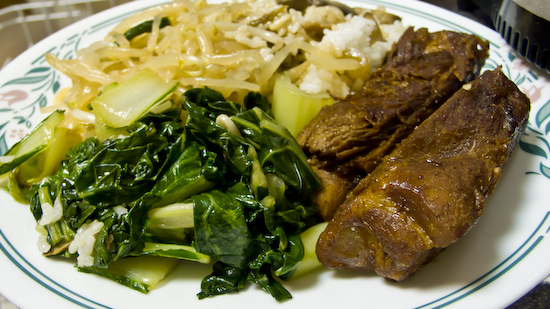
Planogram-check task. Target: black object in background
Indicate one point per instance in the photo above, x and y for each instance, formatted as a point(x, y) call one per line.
point(526, 32)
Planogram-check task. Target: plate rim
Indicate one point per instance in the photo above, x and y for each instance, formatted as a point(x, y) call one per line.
point(390, 4)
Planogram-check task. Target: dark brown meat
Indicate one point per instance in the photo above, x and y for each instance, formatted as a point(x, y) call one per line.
point(432, 188)
point(332, 193)
point(349, 138)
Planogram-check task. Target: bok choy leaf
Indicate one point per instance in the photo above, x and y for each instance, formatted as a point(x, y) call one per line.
point(236, 192)
point(253, 225)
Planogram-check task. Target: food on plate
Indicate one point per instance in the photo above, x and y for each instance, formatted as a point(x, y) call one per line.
point(432, 188)
point(235, 48)
point(226, 184)
point(348, 139)
point(176, 140)
point(165, 147)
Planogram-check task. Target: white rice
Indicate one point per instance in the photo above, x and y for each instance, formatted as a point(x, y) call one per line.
point(352, 34)
point(355, 34)
point(51, 213)
point(316, 80)
point(83, 242)
point(42, 242)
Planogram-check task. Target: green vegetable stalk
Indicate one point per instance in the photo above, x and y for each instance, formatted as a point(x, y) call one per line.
point(294, 108)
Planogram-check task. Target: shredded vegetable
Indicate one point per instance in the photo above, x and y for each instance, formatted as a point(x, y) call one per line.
point(232, 47)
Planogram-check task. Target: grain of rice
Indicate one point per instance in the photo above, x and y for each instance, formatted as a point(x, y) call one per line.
point(83, 242)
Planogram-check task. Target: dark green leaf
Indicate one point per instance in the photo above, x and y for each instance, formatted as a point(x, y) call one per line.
point(224, 279)
point(220, 228)
point(264, 279)
point(193, 172)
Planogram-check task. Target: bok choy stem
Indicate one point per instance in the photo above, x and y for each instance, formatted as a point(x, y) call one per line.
point(122, 105)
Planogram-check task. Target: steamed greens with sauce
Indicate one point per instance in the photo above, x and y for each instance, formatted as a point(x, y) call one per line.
point(210, 181)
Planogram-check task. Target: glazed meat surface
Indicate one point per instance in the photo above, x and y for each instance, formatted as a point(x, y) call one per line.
point(349, 138)
point(432, 188)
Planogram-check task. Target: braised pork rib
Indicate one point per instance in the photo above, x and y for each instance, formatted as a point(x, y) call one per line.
point(432, 188)
point(349, 138)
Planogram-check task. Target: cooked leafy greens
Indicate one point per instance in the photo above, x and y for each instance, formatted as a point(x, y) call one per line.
point(223, 182)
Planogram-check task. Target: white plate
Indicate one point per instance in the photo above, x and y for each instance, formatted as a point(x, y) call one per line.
point(504, 256)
